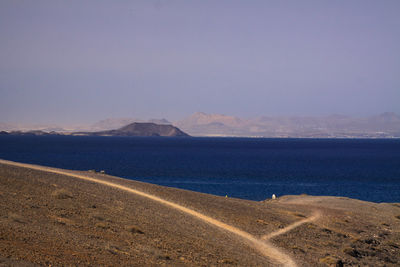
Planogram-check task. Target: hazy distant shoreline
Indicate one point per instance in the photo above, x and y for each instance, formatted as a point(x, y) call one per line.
point(385, 125)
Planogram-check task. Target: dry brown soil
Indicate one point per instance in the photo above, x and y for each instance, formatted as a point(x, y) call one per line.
point(48, 218)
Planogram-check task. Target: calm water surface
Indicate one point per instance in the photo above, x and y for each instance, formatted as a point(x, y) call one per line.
point(250, 168)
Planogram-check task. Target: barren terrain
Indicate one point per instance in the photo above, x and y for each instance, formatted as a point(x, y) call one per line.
point(59, 217)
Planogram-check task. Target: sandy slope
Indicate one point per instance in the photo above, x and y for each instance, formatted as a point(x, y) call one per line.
point(52, 216)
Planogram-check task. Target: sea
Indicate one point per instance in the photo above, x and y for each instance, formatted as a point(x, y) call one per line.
point(247, 168)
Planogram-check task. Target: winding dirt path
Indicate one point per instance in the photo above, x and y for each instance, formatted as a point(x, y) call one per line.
point(316, 215)
point(261, 245)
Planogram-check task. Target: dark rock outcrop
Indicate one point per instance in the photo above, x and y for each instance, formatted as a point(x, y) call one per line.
point(140, 129)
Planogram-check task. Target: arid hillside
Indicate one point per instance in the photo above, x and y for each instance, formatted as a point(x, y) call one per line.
point(59, 217)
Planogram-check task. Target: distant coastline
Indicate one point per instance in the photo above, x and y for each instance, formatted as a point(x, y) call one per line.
point(133, 129)
point(43, 133)
point(200, 124)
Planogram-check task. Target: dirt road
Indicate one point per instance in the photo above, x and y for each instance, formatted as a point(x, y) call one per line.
point(314, 217)
point(261, 245)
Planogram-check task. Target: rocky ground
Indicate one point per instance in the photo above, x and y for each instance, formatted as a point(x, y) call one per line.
point(52, 219)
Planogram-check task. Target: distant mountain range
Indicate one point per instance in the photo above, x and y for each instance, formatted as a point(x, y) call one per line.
point(385, 125)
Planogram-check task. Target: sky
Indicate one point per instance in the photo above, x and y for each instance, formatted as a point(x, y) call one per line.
point(83, 61)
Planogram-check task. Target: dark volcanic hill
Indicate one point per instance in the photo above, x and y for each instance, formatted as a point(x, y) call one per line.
point(140, 129)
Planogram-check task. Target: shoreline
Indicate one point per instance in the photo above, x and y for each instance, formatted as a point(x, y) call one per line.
point(99, 172)
point(104, 174)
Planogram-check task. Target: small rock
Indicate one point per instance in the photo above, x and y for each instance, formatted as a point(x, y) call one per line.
point(332, 261)
point(352, 252)
point(326, 230)
point(371, 241)
point(62, 194)
point(135, 230)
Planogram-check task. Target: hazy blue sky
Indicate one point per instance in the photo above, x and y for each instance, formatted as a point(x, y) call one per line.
point(80, 61)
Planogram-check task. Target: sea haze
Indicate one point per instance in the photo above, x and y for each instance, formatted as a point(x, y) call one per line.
point(249, 168)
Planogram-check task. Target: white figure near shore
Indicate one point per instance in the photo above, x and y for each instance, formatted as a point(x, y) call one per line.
point(273, 196)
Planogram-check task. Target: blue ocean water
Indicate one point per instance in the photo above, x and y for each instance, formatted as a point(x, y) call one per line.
point(249, 168)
